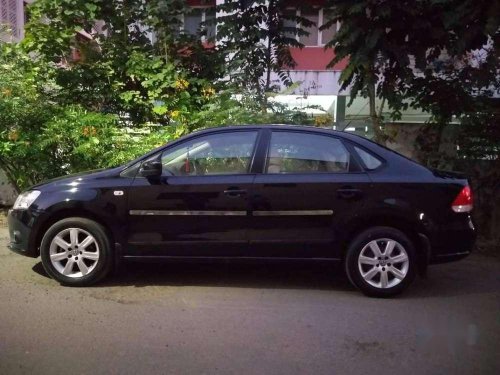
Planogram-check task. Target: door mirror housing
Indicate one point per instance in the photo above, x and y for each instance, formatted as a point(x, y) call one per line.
point(151, 168)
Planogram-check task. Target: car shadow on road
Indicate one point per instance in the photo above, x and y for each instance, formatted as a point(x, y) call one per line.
point(226, 274)
point(472, 276)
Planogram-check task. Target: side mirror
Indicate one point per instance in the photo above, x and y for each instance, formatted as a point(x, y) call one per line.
point(151, 168)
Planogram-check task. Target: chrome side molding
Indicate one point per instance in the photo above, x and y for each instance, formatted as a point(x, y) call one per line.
point(294, 213)
point(231, 213)
point(185, 213)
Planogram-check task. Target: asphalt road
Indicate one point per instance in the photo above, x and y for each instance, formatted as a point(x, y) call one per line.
point(247, 319)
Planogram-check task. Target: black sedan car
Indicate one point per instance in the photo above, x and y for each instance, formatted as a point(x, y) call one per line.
point(249, 193)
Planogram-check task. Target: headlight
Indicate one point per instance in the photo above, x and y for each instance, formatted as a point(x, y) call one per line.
point(24, 200)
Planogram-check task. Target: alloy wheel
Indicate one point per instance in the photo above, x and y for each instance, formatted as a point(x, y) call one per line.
point(74, 252)
point(383, 263)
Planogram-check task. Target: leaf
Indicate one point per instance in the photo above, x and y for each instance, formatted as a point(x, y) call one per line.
point(160, 110)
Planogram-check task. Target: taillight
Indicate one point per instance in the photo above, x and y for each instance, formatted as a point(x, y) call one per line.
point(464, 201)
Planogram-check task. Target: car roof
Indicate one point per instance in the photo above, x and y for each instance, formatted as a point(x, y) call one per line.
point(308, 128)
point(265, 126)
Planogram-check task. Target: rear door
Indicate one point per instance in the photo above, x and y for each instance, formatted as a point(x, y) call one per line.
point(199, 206)
point(309, 186)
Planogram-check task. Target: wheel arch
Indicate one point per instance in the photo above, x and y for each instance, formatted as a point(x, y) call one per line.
point(412, 229)
point(67, 213)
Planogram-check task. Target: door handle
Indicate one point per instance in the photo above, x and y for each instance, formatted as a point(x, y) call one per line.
point(234, 192)
point(348, 193)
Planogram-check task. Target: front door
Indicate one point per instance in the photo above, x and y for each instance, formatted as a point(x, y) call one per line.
point(199, 206)
point(309, 185)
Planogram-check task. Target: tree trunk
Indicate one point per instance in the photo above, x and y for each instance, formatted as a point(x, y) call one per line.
point(376, 119)
point(269, 54)
point(267, 86)
point(10, 175)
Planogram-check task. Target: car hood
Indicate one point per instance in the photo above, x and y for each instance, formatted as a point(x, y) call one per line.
point(77, 178)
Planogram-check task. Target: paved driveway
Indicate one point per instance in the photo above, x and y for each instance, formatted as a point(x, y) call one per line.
point(247, 319)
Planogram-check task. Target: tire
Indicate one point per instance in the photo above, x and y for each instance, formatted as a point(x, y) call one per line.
point(76, 252)
point(374, 268)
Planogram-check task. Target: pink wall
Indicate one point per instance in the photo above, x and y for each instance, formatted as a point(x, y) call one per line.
point(315, 58)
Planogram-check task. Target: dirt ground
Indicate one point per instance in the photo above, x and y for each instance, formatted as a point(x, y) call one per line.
point(247, 319)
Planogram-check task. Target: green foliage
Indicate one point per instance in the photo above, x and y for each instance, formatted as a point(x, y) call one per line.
point(256, 38)
point(40, 138)
point(226, 109)
point(23, 112)
point(484, 144)
point(43, 137)
point(81, 94)
point(77, 140)
point(62, 114)
point(81, 140)
point(117, 68)
point(426, 52)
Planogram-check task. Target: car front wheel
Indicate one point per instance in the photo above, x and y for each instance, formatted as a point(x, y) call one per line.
point(381, 262)
point(76, 252)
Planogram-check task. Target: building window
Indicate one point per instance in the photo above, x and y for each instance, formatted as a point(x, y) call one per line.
point(209, 23)
point(9, 11)
point(192, 21)
point(313, 38)
point(327, 34)
point(316, 37)
point(200, 21)
point(290, 25)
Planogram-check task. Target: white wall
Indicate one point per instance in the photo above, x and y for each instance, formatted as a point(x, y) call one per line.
point(323, 82)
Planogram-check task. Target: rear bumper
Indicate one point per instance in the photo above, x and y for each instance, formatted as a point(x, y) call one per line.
point(455, 241)
point(20, 234)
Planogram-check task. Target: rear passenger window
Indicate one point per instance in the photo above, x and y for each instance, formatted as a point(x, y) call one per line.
point(292, 152)
point(370, 161)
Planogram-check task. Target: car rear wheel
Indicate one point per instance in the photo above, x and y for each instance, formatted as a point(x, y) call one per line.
point(76, 252)
point(381, 262)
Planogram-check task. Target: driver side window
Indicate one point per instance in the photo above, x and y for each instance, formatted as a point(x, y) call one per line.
point(214, 154)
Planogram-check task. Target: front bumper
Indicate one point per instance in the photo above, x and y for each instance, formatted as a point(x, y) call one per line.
point(20, 233)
